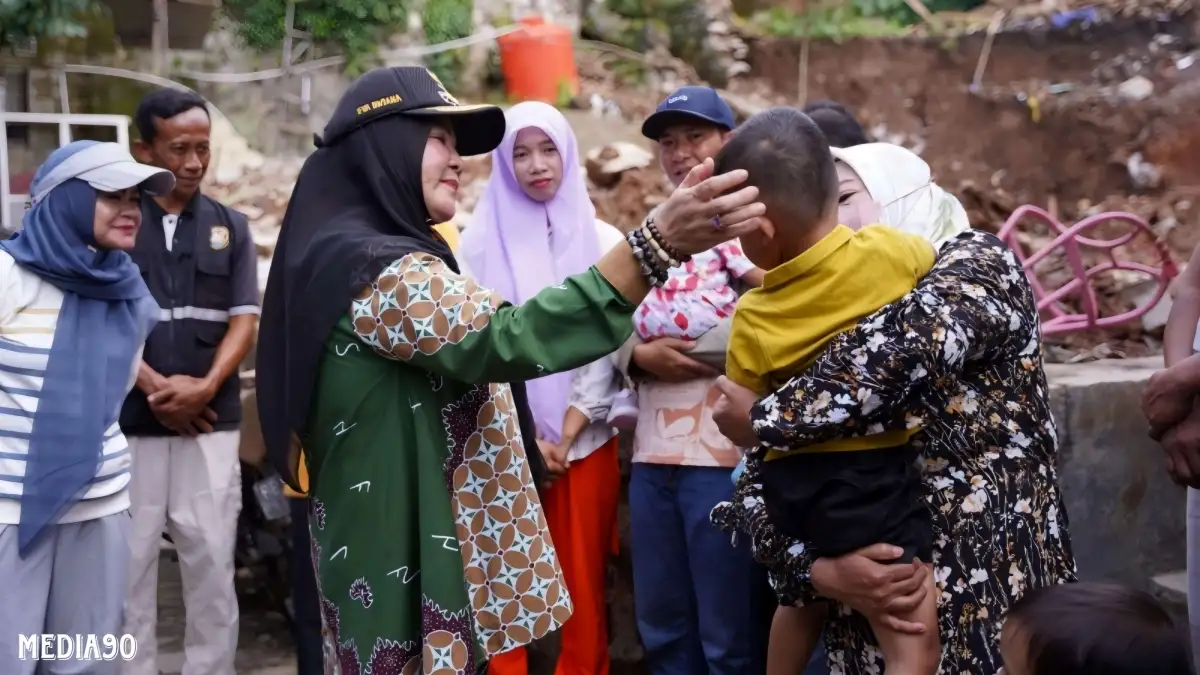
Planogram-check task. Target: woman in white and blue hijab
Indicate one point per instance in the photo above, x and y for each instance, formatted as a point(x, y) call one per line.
point(74, 314)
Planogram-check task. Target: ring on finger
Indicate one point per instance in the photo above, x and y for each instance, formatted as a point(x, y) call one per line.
point(716, 222)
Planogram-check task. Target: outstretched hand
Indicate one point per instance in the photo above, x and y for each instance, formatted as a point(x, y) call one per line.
point(699, 214)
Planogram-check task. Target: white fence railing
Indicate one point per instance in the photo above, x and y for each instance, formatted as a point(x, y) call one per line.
point(12, 206)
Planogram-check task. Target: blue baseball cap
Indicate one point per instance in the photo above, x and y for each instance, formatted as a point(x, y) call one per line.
point(689, 104)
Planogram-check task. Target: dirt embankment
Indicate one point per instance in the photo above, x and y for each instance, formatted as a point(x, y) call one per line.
point(1052, 120)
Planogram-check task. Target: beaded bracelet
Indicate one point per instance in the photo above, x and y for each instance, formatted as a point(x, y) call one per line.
point(659, 267)
point(657, 237)
point(654, 269)
point(657, 249)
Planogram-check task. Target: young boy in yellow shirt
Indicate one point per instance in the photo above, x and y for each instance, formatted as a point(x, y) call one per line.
point(823, 278)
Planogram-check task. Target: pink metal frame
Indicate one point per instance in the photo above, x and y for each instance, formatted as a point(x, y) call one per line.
point(1070, 239)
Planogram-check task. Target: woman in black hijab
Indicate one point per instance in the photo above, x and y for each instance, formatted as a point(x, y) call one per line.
point(388, 366)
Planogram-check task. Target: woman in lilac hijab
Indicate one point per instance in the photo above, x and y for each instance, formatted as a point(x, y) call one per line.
point(534, 227)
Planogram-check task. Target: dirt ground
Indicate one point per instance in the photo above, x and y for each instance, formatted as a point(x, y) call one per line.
point(1079, 120)
point(1048, 121)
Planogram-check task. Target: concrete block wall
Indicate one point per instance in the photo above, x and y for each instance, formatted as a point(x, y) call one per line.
point(1127, 518)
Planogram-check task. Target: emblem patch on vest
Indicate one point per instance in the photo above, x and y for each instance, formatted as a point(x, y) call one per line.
point(218, 237)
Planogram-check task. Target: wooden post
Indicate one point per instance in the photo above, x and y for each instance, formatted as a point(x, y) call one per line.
point(158, 37)
point(64, 100)
point(288, 27)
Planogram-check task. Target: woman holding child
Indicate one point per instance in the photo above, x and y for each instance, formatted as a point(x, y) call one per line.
point(960, 358)
point(534, 226)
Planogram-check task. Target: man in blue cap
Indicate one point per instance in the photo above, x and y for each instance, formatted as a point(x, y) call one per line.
point(702, 604)
point(691, 125)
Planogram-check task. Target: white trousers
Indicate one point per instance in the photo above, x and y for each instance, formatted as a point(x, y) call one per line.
point(191, 487)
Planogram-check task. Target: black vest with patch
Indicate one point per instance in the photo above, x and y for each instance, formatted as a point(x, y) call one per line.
point(193, 285)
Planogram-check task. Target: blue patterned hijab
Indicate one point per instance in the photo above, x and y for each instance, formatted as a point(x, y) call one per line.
point(106, 314)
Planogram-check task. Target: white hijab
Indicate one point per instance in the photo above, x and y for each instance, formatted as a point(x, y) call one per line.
point(901, 183)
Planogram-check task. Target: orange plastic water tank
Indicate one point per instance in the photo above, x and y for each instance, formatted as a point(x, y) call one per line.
point(538, 63)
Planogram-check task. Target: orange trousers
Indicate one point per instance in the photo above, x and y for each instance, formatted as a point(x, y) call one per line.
point(581, 511)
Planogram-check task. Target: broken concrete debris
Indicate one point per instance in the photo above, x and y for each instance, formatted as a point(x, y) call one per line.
point(625, 183)
point(622, 183)
point(1136, 88)
point(605, 164)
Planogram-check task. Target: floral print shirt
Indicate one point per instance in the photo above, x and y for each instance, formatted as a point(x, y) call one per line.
point(697, 295)
point(959, 357)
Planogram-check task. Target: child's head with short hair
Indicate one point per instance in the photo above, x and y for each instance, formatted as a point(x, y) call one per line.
point(788, 160)
point(1092, 629)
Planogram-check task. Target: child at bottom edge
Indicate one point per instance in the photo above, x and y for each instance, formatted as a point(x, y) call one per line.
point(1092, 629)
point(822, 279)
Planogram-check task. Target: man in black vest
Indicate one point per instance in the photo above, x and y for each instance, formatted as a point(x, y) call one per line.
point(182, 418)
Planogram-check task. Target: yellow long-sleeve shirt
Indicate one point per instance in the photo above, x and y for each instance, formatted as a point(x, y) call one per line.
point(780, 328)
point(449, 232)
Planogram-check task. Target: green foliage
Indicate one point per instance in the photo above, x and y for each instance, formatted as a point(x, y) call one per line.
point(632, 73)
point(834, 22)
point(837, 19)
point(563, 95)
point(646, 9)
point(358, 27)
point(446, 20)
point(897, 11)
point(682, 23)
point(22, 20)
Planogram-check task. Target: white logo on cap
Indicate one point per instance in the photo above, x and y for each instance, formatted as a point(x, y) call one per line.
point(682, 97)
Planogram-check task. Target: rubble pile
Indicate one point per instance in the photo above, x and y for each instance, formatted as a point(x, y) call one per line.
point(1117, 291)
point(606, 73)
point(623, 180)
point(605, 79)
point(625, 183)
point(1026, 15)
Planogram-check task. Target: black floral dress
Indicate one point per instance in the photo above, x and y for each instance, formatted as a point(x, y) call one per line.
point(960, 357)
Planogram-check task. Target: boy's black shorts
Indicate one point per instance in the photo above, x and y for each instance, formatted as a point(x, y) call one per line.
point(838, 502)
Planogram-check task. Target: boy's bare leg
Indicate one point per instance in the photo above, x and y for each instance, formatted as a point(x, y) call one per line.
point(794, 635)
point(907, 654)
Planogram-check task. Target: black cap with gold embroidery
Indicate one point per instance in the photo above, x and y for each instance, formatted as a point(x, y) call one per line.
point(411, 90)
